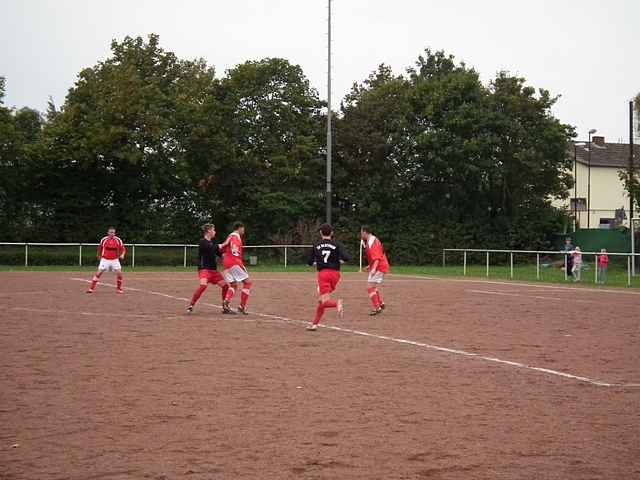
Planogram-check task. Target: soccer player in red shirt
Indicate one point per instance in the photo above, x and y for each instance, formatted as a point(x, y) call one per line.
point(234, 270)
point(110, 251)
point(207, 267)
point(327, 255)
point(378, 266)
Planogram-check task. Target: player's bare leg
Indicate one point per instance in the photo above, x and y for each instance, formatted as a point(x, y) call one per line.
point(94, 281)
point(226, 304)
point(244, 296)
point(325, 302)
point(119, 281)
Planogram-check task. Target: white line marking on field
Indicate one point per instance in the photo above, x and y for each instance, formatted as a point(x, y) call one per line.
point(519, 284)
point(428, 346)
point(536, 297)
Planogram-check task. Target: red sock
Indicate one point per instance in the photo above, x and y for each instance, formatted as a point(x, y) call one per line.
point(197, 293)
point(380, 302)
point(229, 295)
point(94, 280)
point(321, 308)
point(319, 313)
point(225, 287)
point(119, 281)
point(373, 295)
point(244, 295)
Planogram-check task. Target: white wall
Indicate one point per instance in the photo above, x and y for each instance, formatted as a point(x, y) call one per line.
point(607, 194)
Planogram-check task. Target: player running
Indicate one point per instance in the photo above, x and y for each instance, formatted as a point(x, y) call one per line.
point(110, 251)
point(207, 268)
point(234, 270)
point(378, 266)
point(327, 255)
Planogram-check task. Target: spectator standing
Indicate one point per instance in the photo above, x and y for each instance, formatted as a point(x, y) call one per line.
point(569, 248)
point(603, 265)
point(577, 264)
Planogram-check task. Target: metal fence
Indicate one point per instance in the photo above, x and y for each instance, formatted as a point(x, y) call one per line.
point(488, 254)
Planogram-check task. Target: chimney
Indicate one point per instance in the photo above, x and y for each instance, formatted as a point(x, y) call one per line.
point(598, 141)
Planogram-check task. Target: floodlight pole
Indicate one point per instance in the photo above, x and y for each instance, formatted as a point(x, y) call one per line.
point(575, 187)
point(631, 164)
point(631, 185)
point(329, 138)
point(633, 246)
point(591, 132)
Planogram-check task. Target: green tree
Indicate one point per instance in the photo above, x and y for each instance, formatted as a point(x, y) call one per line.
point(446, 161)
point(20, 133)
point(116, 153)
point(274, 123)
point(631, 177)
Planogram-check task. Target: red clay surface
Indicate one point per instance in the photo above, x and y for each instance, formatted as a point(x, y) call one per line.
point(110, 386)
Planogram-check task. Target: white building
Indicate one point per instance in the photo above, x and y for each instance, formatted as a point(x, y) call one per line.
point(599, 198)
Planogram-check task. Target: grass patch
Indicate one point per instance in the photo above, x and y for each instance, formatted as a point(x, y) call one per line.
point(617, 275)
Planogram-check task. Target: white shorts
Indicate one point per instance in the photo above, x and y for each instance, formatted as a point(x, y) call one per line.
point(377, 277)
point(112, 265)
point(235, 274)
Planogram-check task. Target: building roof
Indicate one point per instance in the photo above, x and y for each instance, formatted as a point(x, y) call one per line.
point(604, 154)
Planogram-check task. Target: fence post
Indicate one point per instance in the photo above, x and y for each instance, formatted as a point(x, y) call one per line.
point(285, 257)
point(487, 263)
point(133, 256)
point(26, 254)
point(537, 266)
point(360, 248)
point(566, 263)
point(511, 265)
point(464, 268)
point(184, 263)
point(596, 270)
point(444, 258)
point(80, 255)
point(628, 271)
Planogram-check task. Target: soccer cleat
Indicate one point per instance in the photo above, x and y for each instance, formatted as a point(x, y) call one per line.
point(243, 310)
point(120, 291)
point(340, 308)
point(312, 327)
point(190, 309)
point(376, 311)
point(382, 306)
point(226, 308)
point(90, 290)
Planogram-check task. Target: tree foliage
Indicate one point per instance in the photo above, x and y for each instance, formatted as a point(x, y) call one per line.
point(157, 145)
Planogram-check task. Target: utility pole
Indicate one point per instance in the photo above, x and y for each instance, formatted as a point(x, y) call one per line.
point(631, 187)
point(631, 165)
point(591, 132)
point(329, 136)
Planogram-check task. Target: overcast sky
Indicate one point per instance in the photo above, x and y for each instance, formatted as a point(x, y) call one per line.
point(584, 50)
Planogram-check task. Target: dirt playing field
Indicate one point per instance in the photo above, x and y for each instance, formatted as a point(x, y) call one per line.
point(458, 379)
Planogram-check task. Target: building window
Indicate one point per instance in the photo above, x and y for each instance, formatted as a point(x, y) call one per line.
point(579, 204)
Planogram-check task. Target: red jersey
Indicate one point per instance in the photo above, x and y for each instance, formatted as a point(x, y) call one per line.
point(603, 259)
point(375, 251)
point(111, 248)
point(233, 252)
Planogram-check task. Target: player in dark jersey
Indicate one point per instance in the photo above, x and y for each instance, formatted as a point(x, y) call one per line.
point(207, 267)
point(327, 255)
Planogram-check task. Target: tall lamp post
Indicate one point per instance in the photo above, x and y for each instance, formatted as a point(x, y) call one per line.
point(329, 192)
point(575, 183)
point(591, 132)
